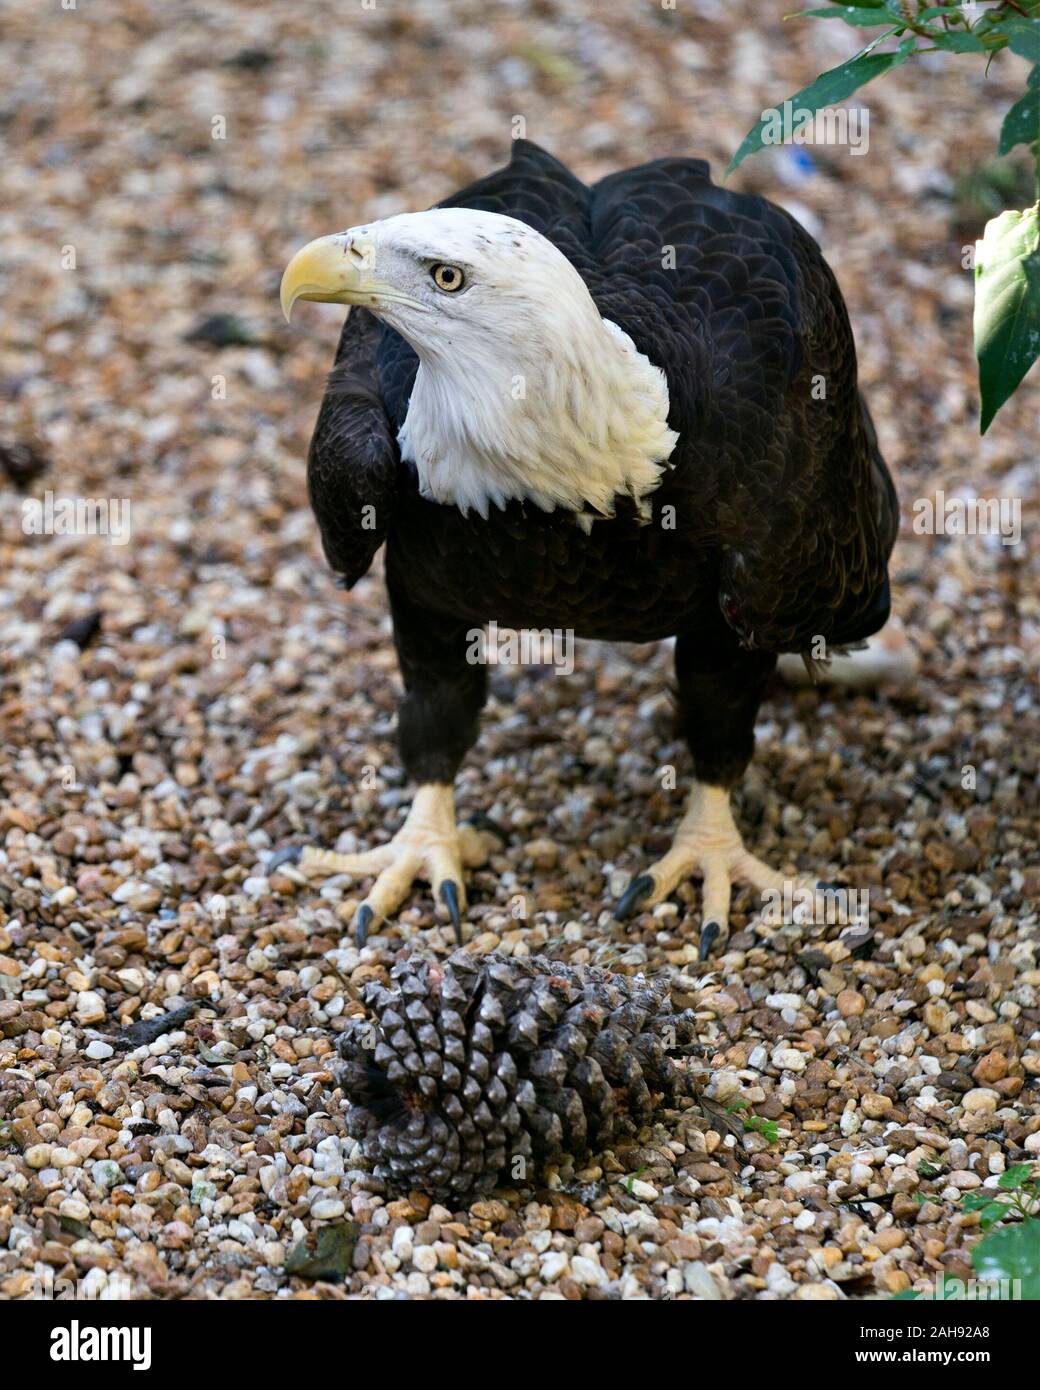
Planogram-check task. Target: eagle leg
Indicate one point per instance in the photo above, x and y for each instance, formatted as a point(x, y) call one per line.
point(720, 690)
point(430, 845)
point(445, 690)
point(707, 843)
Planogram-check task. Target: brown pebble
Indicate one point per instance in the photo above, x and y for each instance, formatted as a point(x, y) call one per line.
point(992, 1067)
point(850, 1003)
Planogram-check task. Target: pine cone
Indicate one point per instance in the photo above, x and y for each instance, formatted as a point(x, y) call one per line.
point(474, 1062)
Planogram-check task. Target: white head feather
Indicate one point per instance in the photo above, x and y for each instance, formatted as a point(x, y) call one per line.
point(523, 390)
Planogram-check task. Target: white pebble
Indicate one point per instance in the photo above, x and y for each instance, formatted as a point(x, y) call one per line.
point(698, 1280)
point(585, 1270)
point(789, 1059)
point(106, 1172)
point(643, 1190)
point(798, 1182)
point(402, 1242)
point(327, 1209)
point(90, 1007)
point(128, 890)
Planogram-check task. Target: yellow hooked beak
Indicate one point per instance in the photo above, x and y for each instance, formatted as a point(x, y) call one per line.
point(337, 270)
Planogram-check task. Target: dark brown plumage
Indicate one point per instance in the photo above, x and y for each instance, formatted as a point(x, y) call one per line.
point(784, 512)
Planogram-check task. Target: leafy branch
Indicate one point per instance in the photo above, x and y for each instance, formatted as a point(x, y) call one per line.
point(1007, 259)
point(1009, 1217)
point(1018, 1196)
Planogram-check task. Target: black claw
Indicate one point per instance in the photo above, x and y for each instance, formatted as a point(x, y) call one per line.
point(710, 933)
point(450, 899)
point(479, 821)
point(362, 922)
point(636, 891)
point(289, 854)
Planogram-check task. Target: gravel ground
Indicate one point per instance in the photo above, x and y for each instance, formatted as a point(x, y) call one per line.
point(176, 707)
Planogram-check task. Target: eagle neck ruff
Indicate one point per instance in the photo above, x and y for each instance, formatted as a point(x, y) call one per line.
point(570, 420)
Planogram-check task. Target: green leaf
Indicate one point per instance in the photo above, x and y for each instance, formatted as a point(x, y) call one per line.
point(1016, 1176)
point(993, 1212)
point(975, 1201)
point(1022, 122)
point(830, 87)
point(859, 16)
point(1024, 37)
point(1007, 306)
point(958, 42)
point(769, 1129)
point(1011, 1253)
point(874, 42)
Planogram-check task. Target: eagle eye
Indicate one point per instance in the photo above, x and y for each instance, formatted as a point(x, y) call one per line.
point(447, 277)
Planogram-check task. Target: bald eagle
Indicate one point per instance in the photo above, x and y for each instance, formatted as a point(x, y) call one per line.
point(629, 411)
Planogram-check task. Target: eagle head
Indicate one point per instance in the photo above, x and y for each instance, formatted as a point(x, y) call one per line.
point(449, 280)
point(524, 391)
